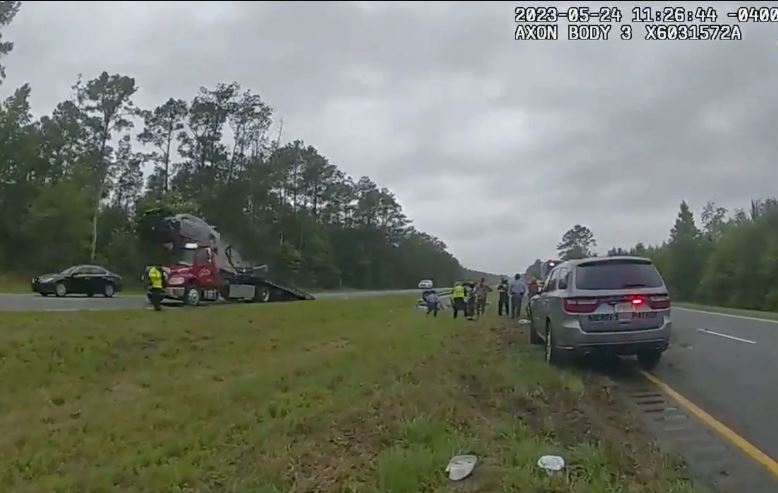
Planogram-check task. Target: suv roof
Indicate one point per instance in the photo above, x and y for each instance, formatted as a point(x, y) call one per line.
point(594, 260)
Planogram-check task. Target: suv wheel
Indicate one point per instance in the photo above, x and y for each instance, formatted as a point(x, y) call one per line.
point(649, 360)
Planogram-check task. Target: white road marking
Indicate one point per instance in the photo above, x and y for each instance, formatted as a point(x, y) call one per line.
point(726, 335)
point(756, 319)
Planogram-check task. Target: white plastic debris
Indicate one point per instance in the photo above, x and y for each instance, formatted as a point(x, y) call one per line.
point(523, 321)
point(461, 466)
point(551, 463)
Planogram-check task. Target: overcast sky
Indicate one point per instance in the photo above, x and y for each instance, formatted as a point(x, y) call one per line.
point(496, 146)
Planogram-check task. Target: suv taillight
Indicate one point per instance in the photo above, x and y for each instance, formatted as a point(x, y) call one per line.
point(659, 302)
point(580, 305)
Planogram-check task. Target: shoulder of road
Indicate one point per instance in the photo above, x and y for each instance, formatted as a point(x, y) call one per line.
point(730, 312)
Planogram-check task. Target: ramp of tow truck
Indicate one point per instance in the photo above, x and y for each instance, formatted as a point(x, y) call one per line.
point(293, 293)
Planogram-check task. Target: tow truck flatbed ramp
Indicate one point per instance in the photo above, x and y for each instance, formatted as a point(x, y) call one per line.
point(293, 292)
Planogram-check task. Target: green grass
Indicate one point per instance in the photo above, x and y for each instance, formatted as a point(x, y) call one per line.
point(13, 283)
point(364, 395)
point(731, 311)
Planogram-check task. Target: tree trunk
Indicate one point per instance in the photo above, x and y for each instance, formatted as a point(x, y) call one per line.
point(94, 227)
point(100, 185)
point(167, 157)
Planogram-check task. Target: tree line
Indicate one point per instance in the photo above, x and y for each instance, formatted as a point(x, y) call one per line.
point(72, 188)
point(728, 258)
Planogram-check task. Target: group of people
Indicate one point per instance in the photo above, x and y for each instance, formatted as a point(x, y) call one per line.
point(512, 295)
point(470, 298)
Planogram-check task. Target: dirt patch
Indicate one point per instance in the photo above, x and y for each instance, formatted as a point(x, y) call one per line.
point(124, 392)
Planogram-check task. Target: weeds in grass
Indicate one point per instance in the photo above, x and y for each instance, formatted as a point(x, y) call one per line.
point(363, 395)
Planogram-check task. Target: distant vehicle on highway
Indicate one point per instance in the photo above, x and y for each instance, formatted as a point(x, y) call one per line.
point(612, 305)
point(79, 279)
point(425, 284)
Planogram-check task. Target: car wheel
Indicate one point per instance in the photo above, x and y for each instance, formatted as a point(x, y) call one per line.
point(534, 338)
point(60, 290)
point(192, 296)
point(648, 361)
point(108, 290)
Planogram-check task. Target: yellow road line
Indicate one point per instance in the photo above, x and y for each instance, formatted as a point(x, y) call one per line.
point(735, 439)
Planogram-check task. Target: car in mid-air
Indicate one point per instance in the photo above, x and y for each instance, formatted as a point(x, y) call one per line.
point(425, 284)
point(611, 305)
point(78, 279)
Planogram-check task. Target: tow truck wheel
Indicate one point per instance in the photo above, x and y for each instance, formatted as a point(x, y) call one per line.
point(192, 296)
point(261, 294)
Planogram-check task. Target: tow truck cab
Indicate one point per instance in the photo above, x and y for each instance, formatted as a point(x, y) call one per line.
point(198, 266)
point(193, 276)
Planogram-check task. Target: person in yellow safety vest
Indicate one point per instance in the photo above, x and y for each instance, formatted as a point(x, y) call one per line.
point(458, 298)
point(155, 294)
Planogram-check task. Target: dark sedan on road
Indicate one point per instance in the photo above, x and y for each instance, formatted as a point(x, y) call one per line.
point(79, 279)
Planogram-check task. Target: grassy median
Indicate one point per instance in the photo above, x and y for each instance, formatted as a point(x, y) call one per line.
point(363, 395)
point(13, 283)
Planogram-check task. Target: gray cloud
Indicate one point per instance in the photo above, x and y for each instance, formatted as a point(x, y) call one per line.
point(495, 146)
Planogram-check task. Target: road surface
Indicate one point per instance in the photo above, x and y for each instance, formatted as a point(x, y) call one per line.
point(728, 366)
point(34, 302)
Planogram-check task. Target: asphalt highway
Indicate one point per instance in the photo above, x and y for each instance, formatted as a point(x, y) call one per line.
point(726, 365)
point(34, 302)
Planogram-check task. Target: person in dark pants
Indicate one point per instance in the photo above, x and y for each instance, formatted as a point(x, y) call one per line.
point(156, 292)
point(517, 294)
point(470, 301)
point(532, 290)
point(502, 290)
point(458, 298)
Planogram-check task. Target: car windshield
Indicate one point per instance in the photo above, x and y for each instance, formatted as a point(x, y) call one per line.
point(69, 270)
point(617, 274)
point(184, 257)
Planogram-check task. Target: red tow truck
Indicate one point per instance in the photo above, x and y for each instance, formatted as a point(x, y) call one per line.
point(200, 268)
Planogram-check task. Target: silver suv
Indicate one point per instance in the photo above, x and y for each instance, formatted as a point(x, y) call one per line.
point(610, 305)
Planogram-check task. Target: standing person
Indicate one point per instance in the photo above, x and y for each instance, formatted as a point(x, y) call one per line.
point(433, 303)
point(481, 293)
point(470, 300)
point(502, 290)
point(155, 293)
point(532, 290)
point(458, 298)
point(517, 293)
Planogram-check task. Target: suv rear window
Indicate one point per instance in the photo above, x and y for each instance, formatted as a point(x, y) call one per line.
point(617, 274)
